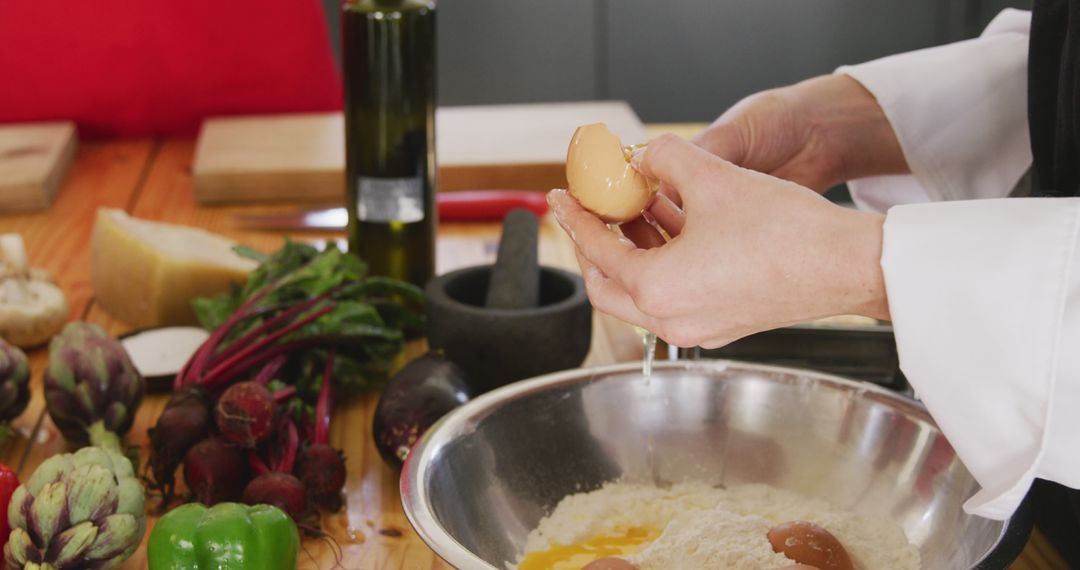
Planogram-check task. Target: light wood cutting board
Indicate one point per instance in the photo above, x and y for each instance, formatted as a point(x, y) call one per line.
point(301, 157)
point(34, 157)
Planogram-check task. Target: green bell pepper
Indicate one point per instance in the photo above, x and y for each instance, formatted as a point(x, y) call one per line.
point(227, 536)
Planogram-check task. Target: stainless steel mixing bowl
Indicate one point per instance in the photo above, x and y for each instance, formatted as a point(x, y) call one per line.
point(485, 475)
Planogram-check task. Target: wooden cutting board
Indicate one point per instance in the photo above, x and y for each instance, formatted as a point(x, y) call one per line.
point(301, 157)
point(34, 157)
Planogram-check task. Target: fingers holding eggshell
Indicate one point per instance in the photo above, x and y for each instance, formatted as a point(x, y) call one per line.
point(640, 231)
point(610, 297)
point(668, 214)
point(671, 160)
point(684, 171)
point(611, 253)
point(669, 191)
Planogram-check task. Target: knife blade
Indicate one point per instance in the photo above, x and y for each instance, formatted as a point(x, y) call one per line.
point(457, 206)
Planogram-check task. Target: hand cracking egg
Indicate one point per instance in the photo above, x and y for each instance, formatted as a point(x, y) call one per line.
point(809, 544)
point(601, 178)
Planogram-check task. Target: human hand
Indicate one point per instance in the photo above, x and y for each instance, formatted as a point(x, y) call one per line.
point(816, 133)
point(752, 253)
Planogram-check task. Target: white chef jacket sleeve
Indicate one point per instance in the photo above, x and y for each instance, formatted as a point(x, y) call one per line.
point(960, 114)
point(985, 301)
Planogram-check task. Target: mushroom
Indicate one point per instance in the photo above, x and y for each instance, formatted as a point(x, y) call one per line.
point(32, 307)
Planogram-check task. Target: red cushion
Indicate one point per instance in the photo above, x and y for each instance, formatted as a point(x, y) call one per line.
point(156, 67)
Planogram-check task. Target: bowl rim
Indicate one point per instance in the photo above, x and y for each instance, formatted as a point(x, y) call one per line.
point(414, 472)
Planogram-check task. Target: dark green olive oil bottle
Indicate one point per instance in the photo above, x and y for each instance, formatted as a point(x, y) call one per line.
point(388, 54)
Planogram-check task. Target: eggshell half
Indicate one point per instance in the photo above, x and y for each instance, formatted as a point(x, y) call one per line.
point(601, 178)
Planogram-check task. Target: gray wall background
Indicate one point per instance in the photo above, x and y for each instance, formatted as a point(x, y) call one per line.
point(673, 60)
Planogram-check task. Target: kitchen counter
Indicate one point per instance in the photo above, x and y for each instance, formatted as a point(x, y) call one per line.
point(152, 179)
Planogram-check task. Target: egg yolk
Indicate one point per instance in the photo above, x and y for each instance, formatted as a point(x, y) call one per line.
point(622, 542)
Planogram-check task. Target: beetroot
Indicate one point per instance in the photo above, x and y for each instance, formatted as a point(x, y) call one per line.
point(282, 490)
point(321, 468)
point(275, 483)
point(297, 309)
point(185, 421)
point(246, 414)
point(215, 471)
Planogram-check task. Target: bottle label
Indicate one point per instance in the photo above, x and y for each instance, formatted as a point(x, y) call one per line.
point(390, 199)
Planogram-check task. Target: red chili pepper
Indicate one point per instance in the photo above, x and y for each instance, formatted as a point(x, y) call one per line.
point(8, 483)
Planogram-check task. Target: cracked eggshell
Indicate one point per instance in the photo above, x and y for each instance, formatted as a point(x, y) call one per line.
point(600, 176)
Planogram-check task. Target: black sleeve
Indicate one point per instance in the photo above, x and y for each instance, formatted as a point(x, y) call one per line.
point(1052, 97)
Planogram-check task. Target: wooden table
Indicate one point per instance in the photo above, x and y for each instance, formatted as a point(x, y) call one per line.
point(152, 179)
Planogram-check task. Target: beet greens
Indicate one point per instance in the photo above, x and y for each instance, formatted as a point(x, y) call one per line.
point(307, 327)
point(298, 304)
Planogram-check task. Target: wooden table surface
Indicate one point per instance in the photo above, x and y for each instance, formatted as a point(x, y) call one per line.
point(152, 179)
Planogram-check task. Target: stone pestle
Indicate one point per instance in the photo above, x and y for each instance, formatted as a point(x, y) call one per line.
point(515, 277)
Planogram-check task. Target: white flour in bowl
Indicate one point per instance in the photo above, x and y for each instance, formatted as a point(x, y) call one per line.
point(708, 528)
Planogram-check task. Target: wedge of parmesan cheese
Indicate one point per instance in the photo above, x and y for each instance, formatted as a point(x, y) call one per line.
point(147, 273)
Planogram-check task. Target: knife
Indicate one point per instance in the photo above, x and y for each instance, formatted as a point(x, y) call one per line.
point(456, 206)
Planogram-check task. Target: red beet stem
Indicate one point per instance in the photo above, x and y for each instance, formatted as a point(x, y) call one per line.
point(258, 466)
point(292, 446)
point(195, 365)
point(255, 347)
point(322, 405)
point(270, 370)
point(284, 394)
point(249, 337)
point(259, 358)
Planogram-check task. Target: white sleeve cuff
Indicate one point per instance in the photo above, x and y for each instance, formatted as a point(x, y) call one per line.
point(959, 112)
point(985, 301)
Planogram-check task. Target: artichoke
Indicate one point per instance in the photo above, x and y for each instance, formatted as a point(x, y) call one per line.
point(92, 389)
point(14, 381)
point(78, 510)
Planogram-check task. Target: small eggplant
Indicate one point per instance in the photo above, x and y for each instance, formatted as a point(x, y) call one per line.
point(415, 398)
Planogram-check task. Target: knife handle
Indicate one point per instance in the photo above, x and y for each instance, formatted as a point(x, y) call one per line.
point(488, 205)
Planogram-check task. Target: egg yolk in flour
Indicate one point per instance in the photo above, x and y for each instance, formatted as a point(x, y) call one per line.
point(622, 542)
